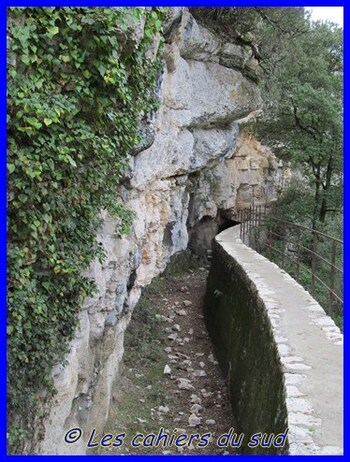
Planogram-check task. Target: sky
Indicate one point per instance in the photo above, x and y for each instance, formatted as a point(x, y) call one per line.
point(331, 13)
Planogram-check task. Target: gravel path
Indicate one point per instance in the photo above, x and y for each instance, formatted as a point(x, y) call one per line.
point(172, 385)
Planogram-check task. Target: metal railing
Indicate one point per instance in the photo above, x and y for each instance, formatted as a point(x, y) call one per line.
point(297, 249)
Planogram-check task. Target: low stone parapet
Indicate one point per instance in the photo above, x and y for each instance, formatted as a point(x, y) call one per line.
point(281, 354)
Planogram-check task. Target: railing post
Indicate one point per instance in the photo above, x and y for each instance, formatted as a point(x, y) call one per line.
point(259, 224)
point(268, 236)
point(243, 225)
point(331, 291)
point(250, 227)
point(254, 227)
point(298, 253)
point(283, 244)
point(240, 225)
point(313, 262)
point(247, 226)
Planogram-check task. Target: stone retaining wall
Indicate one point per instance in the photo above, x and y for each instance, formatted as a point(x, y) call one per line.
point(281, 354)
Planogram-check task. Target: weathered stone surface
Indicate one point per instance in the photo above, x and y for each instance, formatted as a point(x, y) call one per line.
point(200, 44)
point(196, 42)
point(212, 145)
point(219, 95)
point(189, 174)
point(278, 325)
point(185, 384)
point(194, 420)
point(167, 370)
point(232, 55)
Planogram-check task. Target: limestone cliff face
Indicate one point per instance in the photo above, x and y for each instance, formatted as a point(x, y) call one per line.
point(197, 173)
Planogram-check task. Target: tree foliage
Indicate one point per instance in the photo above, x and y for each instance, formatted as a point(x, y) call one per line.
point(77, 89)
point(303, 114)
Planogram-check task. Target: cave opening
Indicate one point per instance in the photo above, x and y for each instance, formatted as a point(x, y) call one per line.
point(202, 233)
point(226, 223)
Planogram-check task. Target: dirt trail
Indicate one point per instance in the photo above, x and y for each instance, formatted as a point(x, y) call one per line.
point(172, 383)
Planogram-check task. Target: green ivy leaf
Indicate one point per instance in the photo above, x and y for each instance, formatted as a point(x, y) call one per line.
point(11, 168)
point(101, 69)
point(46, 285)
point(9, 330)
point(23, 198)
point(34, 122)
point(53, 31)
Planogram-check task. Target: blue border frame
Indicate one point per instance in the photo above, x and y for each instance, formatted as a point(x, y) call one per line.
point(192, 3)
point(346, 218)
point(3, 211)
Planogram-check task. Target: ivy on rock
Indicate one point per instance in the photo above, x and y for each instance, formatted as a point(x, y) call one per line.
point(79, 82)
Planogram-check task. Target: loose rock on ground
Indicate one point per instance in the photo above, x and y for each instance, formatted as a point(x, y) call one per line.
point(175, 383)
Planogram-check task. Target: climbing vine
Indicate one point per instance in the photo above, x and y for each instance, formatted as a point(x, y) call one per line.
point(79, 82)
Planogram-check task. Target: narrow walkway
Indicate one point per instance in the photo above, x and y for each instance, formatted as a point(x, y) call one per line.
point(310, 347)
point(172, 380)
